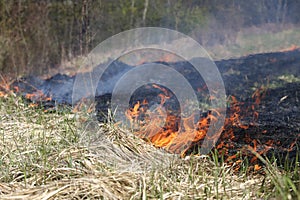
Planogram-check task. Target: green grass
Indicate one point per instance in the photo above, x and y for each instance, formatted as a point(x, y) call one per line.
point(257, 40)
point(43, 156)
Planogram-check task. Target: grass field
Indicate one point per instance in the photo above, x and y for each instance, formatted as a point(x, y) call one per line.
point(257, 40)
point(43, 156)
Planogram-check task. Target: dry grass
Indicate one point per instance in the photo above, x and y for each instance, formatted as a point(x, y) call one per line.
point(44, 157)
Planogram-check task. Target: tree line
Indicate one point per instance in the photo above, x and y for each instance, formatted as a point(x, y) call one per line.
point(37, 35)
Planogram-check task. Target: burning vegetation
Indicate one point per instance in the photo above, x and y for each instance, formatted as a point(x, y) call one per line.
point(261, 117)
point(261, 130)
point(163, 129)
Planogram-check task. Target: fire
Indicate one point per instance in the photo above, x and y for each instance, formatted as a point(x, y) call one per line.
point(257, 167)
point(166, 130)
point(2, 94)
point(291, 48)
point(168, 58)
point(235, 117)
point(37, 96)
point(177, 135)
point(5, 87)
point(33, 105)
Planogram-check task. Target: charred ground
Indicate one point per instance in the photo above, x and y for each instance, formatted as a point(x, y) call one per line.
point(266, 86)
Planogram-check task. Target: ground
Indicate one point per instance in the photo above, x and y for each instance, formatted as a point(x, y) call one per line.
point(44, 156)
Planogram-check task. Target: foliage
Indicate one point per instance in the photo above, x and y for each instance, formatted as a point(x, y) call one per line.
point(36, 36)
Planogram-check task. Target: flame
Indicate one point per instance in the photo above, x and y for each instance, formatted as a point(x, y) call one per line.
point(291, 48)
point(177, 135)
point(257, 167)
point(166, 130)
point(33, 105)
point(4, 83)
point(172, 137)
point(258, 95)
point(16, 88)
point(2, 94)
point(168, 133)
point(168, 58)
point(5, 87)
point(38, 96)
point(235, 117)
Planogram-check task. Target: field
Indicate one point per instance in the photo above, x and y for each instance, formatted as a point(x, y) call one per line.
point(43, 157)
point(257, 40)
point(46, 153)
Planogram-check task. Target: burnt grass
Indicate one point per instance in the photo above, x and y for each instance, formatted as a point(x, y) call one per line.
point(275, 129)
point(273, 122)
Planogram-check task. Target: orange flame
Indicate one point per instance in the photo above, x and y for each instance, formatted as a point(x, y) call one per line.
point(176, 136)
point(168, 132)
point(38, 95)
point(291, 48)
point(2, 94)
